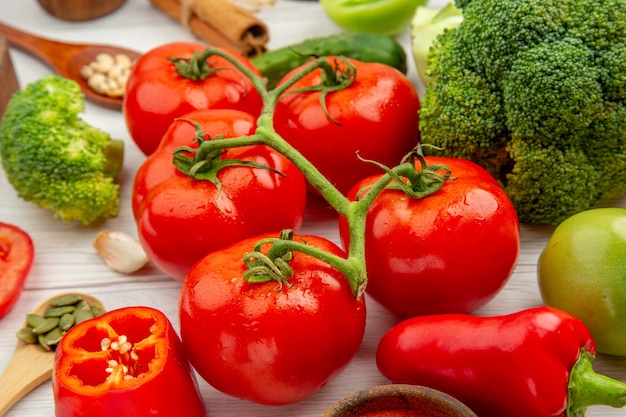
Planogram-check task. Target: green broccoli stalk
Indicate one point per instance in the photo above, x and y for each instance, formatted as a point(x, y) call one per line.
point(55, 159)
point(535, 91)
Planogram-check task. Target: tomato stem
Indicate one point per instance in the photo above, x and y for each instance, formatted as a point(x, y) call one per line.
point(350, 267)
point(197, 67)
point(333, 79)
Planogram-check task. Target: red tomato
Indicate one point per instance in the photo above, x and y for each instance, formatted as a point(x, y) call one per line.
point(181, 219)
point(156, 94)
point(376, 116)
point(450, 252)
point(267, 343)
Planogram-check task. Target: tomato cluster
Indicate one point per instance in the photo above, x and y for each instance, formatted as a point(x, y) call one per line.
point(267, 314)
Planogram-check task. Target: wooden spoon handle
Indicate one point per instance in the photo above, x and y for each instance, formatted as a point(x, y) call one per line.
point(29, 367)
point(49, 51)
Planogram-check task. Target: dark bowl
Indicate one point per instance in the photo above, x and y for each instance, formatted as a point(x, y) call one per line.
point(399, 400)
point(79, 10)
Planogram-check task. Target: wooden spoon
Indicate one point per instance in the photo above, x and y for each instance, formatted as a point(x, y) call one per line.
point(67, 59)
point(30, 365)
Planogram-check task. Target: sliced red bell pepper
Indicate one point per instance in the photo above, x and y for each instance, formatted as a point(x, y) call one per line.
point(533, 363)
point(129, 361)
point(16, 258)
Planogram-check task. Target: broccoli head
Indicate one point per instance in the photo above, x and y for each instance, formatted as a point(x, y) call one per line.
point(534, 91)
point(56, 160)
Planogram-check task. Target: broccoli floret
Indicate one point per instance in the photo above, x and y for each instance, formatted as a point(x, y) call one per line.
point(534, 91)
point(56, 160)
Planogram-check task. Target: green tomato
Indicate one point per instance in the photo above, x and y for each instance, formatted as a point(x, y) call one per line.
point(582, 270)
point(388, 17)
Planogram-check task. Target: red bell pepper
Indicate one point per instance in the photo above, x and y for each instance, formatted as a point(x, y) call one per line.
point(533, 363)
point(16, 258)
point(129, 361)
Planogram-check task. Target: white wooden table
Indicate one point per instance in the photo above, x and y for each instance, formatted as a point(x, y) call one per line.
point(65, 259)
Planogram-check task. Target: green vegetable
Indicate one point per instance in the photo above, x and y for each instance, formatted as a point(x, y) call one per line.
point(535, 91)
point(55, 159)
point(363, 46)
point(426, 25)
point(388, 17)
point(581, 270)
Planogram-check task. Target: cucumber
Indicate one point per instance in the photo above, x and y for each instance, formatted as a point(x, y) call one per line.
point(362, 46)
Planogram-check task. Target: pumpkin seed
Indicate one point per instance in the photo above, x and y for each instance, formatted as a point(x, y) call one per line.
point(96, 311)
point(53, 337)
point(26, 335)
point(65, 300)
point(65, 311)
point(82, 312)
point(34, 320)
point(42, 342)
point(66, 321)
point(47, 325)
point(58, 311)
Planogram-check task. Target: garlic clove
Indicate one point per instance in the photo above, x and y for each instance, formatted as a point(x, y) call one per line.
point(120, 251)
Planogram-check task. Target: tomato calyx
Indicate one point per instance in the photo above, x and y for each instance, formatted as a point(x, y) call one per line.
point(334, 77)
point(273, 266)
point(198, 67)
point(205, 162)
point(414, 183)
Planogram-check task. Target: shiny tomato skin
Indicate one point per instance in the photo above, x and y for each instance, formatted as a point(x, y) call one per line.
point(376, 117)
point(450, 252)
point(582, 270)
point(266, 344)
point(156, 94)
point(177, 219)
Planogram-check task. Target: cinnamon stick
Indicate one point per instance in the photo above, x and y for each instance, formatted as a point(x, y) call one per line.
point(220, 23)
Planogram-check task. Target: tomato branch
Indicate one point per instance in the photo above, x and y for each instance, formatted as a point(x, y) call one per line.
point(271, 266)
point(263, 268)
point(267, 135)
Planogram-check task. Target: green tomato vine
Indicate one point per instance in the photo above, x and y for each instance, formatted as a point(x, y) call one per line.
point(273, 266)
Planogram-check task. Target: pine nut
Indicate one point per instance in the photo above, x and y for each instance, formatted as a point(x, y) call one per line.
point(107, 74)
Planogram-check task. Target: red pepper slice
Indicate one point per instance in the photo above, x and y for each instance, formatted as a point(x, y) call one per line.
point(16, 258)
point(535, 362)
point(129, 361)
